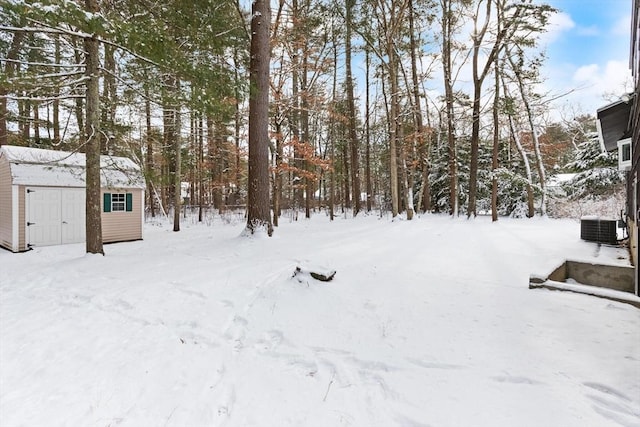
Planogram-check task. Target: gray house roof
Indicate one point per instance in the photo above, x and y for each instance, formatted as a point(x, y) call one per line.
point(36, 166)
point(614, 122)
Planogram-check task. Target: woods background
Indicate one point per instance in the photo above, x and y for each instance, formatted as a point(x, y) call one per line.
point(398, 106)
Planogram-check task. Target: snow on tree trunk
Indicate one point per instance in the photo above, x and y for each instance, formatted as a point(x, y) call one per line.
point(527, 166)
point(258, 216)
point(92, 137)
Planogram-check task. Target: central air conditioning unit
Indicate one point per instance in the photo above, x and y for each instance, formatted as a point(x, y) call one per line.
point(594, 229)
point(624, 154)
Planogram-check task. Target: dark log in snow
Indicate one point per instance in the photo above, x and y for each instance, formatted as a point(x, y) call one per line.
point(320, 274)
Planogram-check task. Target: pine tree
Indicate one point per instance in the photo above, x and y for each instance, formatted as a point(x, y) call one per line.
point(596, 170)
point(258, 217)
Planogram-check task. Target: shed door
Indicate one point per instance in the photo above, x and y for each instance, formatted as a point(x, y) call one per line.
point(55, 216)
point(73, 216)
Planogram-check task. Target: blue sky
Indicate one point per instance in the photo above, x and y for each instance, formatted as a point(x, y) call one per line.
point(588, 50)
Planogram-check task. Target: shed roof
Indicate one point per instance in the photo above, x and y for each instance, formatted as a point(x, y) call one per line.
point(36, 166)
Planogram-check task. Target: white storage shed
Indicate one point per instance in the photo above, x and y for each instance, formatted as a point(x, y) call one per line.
point(42, 198)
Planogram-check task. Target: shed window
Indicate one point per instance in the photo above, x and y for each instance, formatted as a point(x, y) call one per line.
point(118, 202)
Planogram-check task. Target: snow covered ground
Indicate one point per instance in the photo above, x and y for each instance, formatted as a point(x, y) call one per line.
point(427, 323)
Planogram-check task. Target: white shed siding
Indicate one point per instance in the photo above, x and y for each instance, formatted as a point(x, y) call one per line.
point(15, 232)
point(6, 205)
point(22, 167)
point(22, 215)
point(122, 226)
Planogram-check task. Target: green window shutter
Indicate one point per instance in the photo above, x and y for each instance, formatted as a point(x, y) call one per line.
point(106, 202)
point(129, 201)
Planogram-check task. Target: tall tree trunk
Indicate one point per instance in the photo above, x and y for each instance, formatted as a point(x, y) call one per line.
point(79, 104)
point(505, 29)
point(523, 154)
point(539, 162)
point(304, 135)
point(237, 120)
point(25, 118)
point(36, 122)
point(475, 136)
point(176, 148)
point(214, 142)
point(109, 100)
point(346, 199)
point(478, 79)
point(394, 124)
point(447, 34)
point(258, 198)
point(200, 166)
point(332, 189)
point(172, 146)
point(496, 145)
point(218, 192)
point(406, 181)
point(530, 196)
point(332, 129)
point(277, 178)
point(9, 72)
point(92, 138)
point(417, 105)
point(56, 101)
point(149, 153)
point(353, 138)
point(212, 161)
point(425, 193)
point(534, 135)
point(368, 133)
point(298, 193)
point(193, 148)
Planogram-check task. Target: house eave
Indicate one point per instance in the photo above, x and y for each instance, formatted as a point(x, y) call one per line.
point(614, 122)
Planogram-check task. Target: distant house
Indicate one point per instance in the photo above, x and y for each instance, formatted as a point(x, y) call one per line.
point(619, 127)
point(42, 198)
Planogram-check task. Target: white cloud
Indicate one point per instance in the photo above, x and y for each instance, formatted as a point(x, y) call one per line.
point(613, 78)
point(559, 23)
point(589, 31)
point(592, 86)
point(622, 26)
point(586, 74)
point(586, 87)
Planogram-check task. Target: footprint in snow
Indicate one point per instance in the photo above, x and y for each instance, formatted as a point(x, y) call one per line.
point(270, 340)
point(613, 404)
point(228, 400)
point(515, 380)
point(236, 333)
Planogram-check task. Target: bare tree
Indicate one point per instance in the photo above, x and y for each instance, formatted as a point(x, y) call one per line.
point(353, 138)
point(496, 141)
point(506, 27)
point(419, 131)
point(528, 108)
point(367, 127)
point(448, 21)
point(515, 135)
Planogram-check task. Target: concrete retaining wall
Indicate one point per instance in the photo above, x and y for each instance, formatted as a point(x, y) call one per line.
point(616, 277)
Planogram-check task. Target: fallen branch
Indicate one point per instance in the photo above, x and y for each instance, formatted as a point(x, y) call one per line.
point(318, 274)
point(327, 393)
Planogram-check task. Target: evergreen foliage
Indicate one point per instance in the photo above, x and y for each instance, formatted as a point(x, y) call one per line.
point(174, 94)
point(596, 170)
